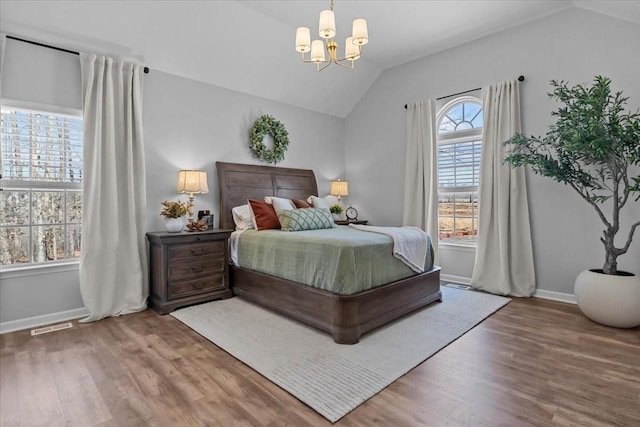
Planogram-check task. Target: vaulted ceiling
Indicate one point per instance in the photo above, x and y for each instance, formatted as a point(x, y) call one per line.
point(248, 45)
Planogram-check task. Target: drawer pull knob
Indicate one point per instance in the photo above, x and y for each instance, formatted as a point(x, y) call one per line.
point(198, 252)
point(197, 269)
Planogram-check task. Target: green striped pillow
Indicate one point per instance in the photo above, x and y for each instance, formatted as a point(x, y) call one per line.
point(305, 219)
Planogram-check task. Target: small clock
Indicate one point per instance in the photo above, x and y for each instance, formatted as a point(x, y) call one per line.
point(352, 213)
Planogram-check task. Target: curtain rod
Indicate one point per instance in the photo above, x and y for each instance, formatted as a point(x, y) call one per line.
point(146, 69)
point(520, 79)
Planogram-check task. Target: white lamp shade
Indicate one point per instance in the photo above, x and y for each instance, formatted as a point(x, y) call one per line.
point(317, 51)
point(192, 181)
point(351, 50)
point(327, 24)
point(339, 188)
point(360, 33)
point(303, 39)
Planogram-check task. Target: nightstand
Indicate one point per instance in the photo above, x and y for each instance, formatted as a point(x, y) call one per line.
point(188, 268)
point(351, 221)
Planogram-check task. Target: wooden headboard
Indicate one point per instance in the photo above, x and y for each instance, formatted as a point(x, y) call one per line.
point(240, 182)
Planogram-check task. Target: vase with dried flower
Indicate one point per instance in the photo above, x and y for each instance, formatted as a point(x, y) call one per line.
point(174, 212)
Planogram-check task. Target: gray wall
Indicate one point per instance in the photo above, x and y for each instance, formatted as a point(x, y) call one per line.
point(187, 125)
point(573, 45)
point(190, 125)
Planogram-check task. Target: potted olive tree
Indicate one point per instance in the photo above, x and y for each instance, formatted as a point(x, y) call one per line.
point(594, 147)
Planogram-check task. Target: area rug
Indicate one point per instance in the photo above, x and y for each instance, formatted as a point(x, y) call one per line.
point(334, 379)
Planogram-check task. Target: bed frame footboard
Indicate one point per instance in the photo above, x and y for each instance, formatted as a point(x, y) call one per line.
point(345, 317)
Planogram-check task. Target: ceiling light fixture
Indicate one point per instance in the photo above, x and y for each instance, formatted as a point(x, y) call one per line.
point(327, 30)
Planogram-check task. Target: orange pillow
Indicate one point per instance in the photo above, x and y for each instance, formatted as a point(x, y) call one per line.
point(264, 217)
point(300, 204)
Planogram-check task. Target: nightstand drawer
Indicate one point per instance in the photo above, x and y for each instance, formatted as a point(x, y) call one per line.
point(203, 267)
point(192, 287)
point(196, 250)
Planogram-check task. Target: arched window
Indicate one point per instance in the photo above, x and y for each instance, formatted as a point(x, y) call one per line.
point(459, 141)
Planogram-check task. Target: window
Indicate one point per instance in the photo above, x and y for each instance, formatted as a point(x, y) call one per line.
point(459, 147)
point(41, 197)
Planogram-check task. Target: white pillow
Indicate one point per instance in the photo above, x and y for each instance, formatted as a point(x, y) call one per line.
point(280, 204)
point(325, 202)
point(242, 217)
point(317, 202)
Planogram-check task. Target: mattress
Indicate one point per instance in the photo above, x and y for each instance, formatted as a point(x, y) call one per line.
point(342, 260)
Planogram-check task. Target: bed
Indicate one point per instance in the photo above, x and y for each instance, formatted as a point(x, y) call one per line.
point(345, 317)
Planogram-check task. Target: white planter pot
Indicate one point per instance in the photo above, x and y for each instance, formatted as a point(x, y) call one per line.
point(611, 300)
point(174, 225)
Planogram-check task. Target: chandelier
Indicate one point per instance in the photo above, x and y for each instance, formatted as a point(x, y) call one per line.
point(327, 30)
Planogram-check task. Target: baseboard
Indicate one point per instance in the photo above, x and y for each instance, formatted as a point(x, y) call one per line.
point(455, 279)
point(46, 319)
point(539, 293)
point(555, 296)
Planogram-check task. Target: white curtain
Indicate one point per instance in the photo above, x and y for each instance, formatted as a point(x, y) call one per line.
point(3, 42)
point(113, 261)
point(421, 171)
point(504, 255)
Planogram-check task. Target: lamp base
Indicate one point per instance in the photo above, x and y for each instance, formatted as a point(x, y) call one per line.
point(190, 210)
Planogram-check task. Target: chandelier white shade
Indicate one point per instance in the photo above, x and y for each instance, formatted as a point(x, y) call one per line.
point(327, 25)
point(360, 32)
point(327, 31)
point(317, 51)
point(303, 39)
point(351, 51)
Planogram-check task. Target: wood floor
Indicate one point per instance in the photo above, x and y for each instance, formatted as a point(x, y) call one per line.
point(534, 362)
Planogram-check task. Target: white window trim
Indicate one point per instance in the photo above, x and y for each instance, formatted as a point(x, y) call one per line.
point(33, 269)
point(456, 247)
point(22, 270)
point(460, 136)
point(38, 106)
point(446, 107)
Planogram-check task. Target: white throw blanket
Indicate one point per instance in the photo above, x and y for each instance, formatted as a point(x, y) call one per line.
point(410, 244)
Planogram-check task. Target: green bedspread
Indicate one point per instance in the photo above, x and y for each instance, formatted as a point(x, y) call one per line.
point(341, 260)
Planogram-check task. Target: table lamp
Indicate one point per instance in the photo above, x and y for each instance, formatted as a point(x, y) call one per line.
point(339, 188)
point(192, 182)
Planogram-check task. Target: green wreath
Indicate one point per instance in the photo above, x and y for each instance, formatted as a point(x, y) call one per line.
point(267, 125)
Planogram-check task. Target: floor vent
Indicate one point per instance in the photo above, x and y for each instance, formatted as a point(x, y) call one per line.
point(52, 328)
point(457, 286)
